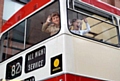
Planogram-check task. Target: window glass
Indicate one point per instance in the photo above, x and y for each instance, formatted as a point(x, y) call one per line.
point(36, 28)
point(43, 24)
point(94, 12)
point(89, 26)
point(13, 41)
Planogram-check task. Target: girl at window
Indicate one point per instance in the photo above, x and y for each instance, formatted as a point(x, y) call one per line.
point(76, 27)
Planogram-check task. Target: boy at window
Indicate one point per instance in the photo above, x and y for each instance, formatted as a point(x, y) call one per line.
point(52, 24)
point(76, 27)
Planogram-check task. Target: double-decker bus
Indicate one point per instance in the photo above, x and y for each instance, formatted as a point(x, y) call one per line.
point(81, 42)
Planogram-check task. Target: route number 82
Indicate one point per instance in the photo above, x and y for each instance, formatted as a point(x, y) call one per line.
point(16, 69)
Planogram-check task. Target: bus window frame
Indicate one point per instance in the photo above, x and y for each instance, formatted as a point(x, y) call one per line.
point(25, 20)
point(41, 10)
point(117, 29)
point(114, 20)
point(3, 39)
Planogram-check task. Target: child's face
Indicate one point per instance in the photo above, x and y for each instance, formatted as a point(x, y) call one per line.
point(77, 23)
point(56, 20)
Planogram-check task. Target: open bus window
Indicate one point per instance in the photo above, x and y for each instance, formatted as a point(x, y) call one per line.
point(94, 12)
point(13, 41)
point(36, 22)
point(99, 30)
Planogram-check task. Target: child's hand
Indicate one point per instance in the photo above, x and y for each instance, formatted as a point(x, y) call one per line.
point(48, 19)
point(85, 20)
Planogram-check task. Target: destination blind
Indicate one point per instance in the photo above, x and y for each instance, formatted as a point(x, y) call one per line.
point(35, 59)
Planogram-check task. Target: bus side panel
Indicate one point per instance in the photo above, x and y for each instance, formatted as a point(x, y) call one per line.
point(92, 58)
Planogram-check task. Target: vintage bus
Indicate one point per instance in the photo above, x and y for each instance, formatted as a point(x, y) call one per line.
point(30, 53)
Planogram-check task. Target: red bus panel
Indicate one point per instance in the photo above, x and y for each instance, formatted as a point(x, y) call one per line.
point(103, 6)
point(71, 77)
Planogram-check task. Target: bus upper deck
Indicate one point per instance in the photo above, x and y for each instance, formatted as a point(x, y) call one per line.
point(51, 38)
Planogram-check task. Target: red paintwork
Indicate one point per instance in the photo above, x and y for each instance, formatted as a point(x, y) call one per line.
point(104, 6)
point(71, 77)
point(26, 10)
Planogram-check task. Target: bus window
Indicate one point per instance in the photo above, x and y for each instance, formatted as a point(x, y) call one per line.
point(29, 32)
point(94, 12)
point(92, 27)
point(35, 24)
point(13, 41)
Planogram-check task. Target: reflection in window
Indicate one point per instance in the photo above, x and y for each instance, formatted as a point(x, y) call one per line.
point(103, 31)
point(26, 33)
point(99, 30)
point(13, 41)
point(35, 23)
